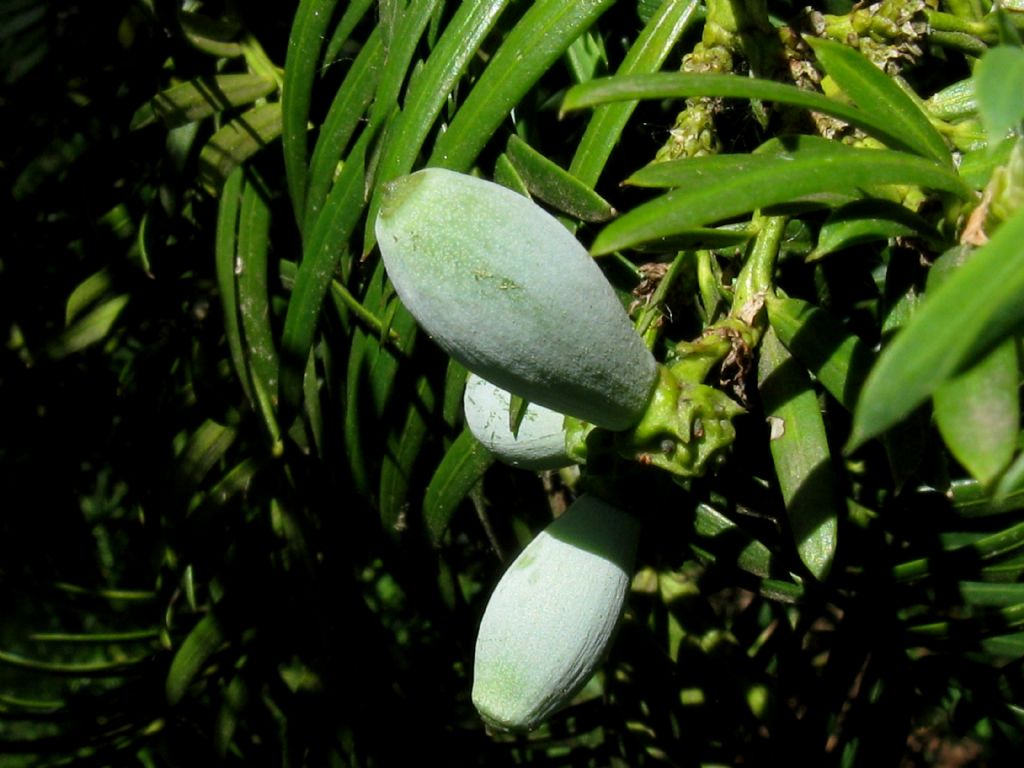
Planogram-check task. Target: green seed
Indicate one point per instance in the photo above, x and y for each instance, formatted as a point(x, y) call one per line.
point(507, 291)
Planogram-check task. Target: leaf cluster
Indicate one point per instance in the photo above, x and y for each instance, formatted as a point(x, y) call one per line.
point(243, 518)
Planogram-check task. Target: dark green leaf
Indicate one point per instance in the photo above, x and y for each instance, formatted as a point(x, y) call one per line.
point(554, 185)
point(205, 447)
point(983, 297)
point(506, 174)
point(403, 447)
point(838, 359)
point(666, 85)
point(225, 255)
point(877, 95)
point(724, 543)
point(90, 328)
point(647, 54)
point(462, 467)
point(427, 94)
point(867, 221)
point(998, 79)
point(997, 595)
point(69, 669)
point(190, 658)
point(354, 12)
point(253, 292)
point(236, 142)
point(309, 28)
point(350, 103)
point(323, 251)
point(978, 412)
point(799, 448)
point(200, 98)
point(773, 180)
point(542, 35)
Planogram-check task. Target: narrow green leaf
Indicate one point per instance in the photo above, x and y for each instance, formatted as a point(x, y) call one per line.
point(462, 467)
point(89, 329)
point(977, 167)
point(998, 79)
point(372, 370)
point(236, 142)
point(253, 292)
point(354, 12)
point(978, 412)
point(87, 294)
point(954, 102)
point(236, 697)
point(190, 658)
point(205, 447)
point(839, 360)
point(1011, 485)
point(403, 447)
point(774, 180)
point(309, 29)
point(984, 298)
point(126, 595)
point(799, 448)
point(506, 174)
point(725, 544)
point(1009, 647)
point(200, 98)
point(542, 35)
point(354, 95)
point(680, 85)
point(16, 705)
point(996, 595)
point(693, 171)
point(213, 36)
point(322, 254)
point(585, 56)
point(866, 221)
point(224, 258)
point(90, 638)
point(312, 405)
point(69, 669)
point(554, 185)
point(877, 95)
point(648, 52)
point(406, 31)
point(454, 386)
point(1000, 621)
point(355, 433)
point(964, 559)
point(970, 499)
point(427, 95)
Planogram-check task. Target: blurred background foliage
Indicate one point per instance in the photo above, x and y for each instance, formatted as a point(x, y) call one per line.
point(242, 523)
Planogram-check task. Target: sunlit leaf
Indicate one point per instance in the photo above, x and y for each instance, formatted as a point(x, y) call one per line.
point(877, 95)
point(556, 186)
point(545, 31)
point(1000, 99)
point(237, 141)
point(799, 448)
point(983, 296)
point(769, 180)
point(200, 98)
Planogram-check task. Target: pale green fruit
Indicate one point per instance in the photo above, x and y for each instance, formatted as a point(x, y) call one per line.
point(507, 291)
point(539, 442)
point(553, 614)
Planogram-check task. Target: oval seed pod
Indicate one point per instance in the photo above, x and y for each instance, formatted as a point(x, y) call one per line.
point(538, 444)
point(553, 615)
point(507, 291)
